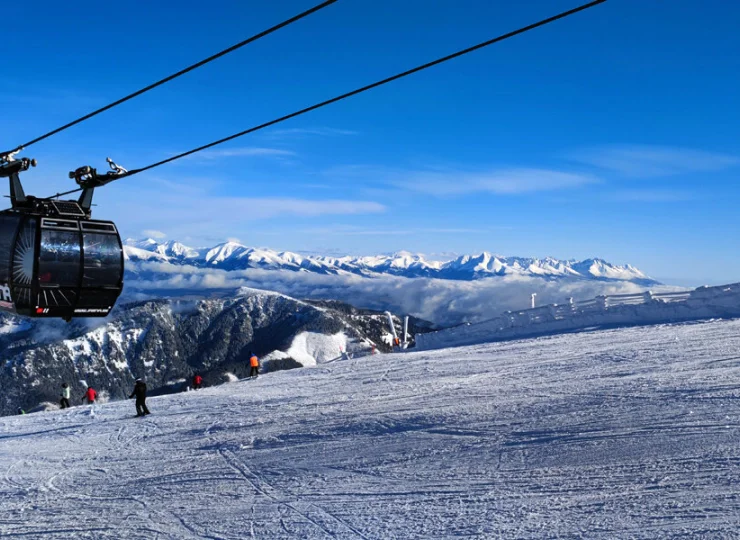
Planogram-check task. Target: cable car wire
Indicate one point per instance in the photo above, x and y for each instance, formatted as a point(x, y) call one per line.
point(357, 91)
point(370, 86)
point(178, 74)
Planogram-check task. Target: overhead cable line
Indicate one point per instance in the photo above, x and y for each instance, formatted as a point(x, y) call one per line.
point(349, 94)
point(178, 74)
point(371, 86)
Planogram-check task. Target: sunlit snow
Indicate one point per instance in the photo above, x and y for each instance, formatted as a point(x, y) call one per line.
point(629, 433)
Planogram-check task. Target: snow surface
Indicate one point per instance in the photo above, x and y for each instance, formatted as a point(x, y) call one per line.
point(629, 433)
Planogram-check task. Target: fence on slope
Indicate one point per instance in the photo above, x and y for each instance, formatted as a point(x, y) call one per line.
point(603, 309)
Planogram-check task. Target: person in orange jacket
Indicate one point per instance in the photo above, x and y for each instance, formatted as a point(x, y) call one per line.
point(91, 395)
point(254, 365)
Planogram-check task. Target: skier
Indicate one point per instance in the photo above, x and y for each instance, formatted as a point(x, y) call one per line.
point(254, 365)
point(197, 382)
point(91, 395)
point(140, 393)
point(65, 395)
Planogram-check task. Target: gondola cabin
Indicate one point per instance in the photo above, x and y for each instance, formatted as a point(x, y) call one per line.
point(55, 261)
point(59, 266)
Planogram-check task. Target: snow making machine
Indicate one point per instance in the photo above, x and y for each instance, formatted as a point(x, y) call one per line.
point(55, 261)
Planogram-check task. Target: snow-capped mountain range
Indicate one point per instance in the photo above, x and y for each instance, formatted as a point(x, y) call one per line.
point(230, 256)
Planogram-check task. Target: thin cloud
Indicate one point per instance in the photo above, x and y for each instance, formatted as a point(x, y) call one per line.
point(248, 151)
point(640, 161)
point(152, 233)
point(401, 231)
point(651, 195)
point(202, 209)
point(450, 182)
point(317, 131)
point(58, 98)
point(500, 182)
point(265, 207)
point(184, 211)
point(314, 186)
point(184, 186)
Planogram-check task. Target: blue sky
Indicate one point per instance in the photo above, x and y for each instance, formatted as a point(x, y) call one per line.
point(612, 133)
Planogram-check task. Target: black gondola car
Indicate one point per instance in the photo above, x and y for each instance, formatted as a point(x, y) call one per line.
point(54, 260)
point(59, 267)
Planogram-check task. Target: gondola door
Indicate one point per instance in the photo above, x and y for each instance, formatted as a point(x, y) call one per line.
point(102, 268)
point(59, 268)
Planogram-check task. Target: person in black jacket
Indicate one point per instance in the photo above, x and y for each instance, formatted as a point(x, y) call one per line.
point(140, 393)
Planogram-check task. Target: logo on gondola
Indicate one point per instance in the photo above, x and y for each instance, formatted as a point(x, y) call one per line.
point(6, 301)
point(5, 293)
point(42, 311)
point(92, 310)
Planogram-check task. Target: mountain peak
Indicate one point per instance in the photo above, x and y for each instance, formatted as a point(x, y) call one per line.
point(173, 248)
point(146, 243)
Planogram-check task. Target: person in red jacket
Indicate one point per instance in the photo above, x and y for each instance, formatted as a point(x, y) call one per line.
point(197, 382)
point(91, 395)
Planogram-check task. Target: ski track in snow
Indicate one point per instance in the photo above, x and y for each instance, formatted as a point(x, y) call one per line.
point(629, 433)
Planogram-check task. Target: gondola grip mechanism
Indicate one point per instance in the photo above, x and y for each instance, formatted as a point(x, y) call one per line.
point(10, 168)
point(88, 179)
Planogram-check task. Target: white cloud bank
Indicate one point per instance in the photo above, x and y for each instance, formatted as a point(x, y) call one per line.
point(443, 302)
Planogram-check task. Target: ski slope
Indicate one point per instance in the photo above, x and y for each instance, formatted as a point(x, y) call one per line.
point(629, 433)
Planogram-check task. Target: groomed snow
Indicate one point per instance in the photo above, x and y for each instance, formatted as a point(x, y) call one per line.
point(629, 433)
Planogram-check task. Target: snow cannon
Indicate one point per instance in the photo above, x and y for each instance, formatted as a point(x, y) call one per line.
point(396, 341)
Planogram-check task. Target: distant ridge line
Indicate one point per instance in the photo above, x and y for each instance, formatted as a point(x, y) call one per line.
point(231, 256)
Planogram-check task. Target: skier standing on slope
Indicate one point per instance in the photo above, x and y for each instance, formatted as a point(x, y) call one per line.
point(254, 365)
point(197, 382)
point(91, 395)
point(140, 393)
point(66, 393)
